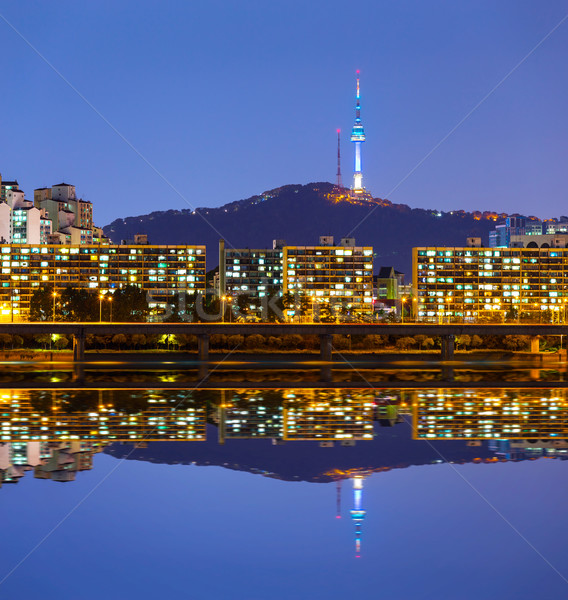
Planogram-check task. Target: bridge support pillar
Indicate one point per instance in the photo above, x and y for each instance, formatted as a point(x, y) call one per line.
point(325, 347)
point(535, 344)
point(448, 347)
point(203, 346)
point(79, 346)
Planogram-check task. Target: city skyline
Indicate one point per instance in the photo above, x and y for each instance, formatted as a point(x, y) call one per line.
point(171, 102)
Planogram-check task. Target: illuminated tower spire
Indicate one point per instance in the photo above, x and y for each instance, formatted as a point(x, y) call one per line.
point(339, 182)
point(357, 515)
point(358, 136)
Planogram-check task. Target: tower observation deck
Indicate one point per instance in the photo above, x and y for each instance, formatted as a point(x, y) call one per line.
point(358, 136)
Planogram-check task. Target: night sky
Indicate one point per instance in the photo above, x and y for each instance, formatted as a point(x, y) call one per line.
point(228, 99)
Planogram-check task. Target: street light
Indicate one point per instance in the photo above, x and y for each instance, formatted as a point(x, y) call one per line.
point(402, 309)
point(101, 298)
point(230, 299)
point(54, 296)
point(223, 298)
point(110, 304)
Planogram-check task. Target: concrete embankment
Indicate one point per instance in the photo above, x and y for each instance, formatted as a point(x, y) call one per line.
point(385, 356)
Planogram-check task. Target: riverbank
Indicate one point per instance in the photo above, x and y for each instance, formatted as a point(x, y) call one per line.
point(382, 356)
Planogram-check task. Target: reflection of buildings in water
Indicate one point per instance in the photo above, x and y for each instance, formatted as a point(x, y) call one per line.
point(491, 414)
point(100, 415)
point(58, 461)
point(336, 419)
point(327, 416)
point(313, 415)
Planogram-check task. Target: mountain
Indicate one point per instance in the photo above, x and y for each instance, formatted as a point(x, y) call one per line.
point(391, 448)
point(299, 214)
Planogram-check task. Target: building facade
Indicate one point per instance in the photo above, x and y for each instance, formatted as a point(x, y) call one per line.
point(253, 272)
point(324, 274)
point(518, 231)
point(476, 284)
point(161, 271)
point(338, 276)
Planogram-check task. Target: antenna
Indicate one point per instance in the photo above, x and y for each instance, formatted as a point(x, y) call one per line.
point(339, 183)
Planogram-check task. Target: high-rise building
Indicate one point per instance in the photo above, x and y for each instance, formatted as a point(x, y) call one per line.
point(161, 271)
point(72, 217)
point(325, 274)
point(255, 273)
point(6, 186)
point(333, 276)
point(358, 137)
point(529, 232)
point(473, 284)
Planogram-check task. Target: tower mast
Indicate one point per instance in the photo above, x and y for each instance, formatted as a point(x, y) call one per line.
point(358, 136)
point(339, 182)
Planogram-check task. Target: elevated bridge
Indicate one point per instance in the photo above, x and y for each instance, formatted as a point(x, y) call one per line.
point(203, 331)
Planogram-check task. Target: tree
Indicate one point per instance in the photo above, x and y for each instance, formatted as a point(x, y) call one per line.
point(119, 340)
point(78, 304)
point(43, 339)
point(476, 341)
point(405, 343)
point(326, 313)
point(374, 341)
point(61, 342)
point(42, 305)
point(130, 305)
point(218, 340)
point(234, 341)
point(291, 341)
point(254, 341)
point(139, 339)
point(516, 342)
point(272, 305)
point(102, 340)
point(340, 342)
point(274, 341)
point(298, 303)
point(463, 340)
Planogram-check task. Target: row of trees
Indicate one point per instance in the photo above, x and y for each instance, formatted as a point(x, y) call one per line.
point(292, 342)
point(73, 304)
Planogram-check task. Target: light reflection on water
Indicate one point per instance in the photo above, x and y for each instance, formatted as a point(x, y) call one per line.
point(345, 438)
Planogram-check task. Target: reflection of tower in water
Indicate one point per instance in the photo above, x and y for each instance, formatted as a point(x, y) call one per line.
point(357, 514)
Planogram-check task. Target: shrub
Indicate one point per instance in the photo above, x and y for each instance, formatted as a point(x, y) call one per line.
point(275, 342)
point(404, 343)
point(219, 340)
point(235, 340)
point(254, 341)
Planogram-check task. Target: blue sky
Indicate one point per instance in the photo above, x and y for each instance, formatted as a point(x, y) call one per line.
point(228, 99)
